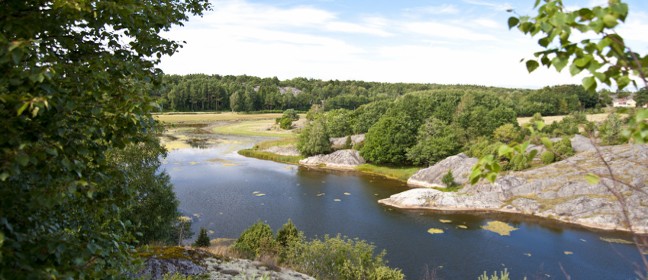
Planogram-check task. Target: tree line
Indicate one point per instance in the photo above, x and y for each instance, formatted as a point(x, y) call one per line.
point(200, 92)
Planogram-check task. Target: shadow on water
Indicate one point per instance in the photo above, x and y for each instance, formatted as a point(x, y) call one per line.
point(220, 190)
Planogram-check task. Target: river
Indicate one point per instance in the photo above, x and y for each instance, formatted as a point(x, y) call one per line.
point(226, 193)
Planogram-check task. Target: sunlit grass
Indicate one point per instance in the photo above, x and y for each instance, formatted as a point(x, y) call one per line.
point(551, 119)
point(270, 156)
point(398, 173)
point(276, 143)
point(253, 128)
point(194, 118)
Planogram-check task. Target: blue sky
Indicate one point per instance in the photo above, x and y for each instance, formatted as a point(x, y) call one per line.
point(446, 42)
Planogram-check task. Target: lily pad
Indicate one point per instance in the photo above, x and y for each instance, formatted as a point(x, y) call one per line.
point(527, 254)
point(445, 221)
point(462, 226)
point(259, 194)
point(320, 194)
point(435, 231)
point(193, 162)
point(500, 228)
point(616, 240)
point(337, 200)
point(346, 193)
point(569, 253)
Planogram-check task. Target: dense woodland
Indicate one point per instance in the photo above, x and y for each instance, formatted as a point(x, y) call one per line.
point(201, 92)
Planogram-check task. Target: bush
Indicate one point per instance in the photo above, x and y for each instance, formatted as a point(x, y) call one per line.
point(340, 258)
point(255, 241)
point(287, 233)
point(203, 239)
point(448, 180)
point(547, 157)
point(314, 139)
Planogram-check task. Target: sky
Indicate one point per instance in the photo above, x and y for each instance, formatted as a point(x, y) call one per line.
point(442, 42)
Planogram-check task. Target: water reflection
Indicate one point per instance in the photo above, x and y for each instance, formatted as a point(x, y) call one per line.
point(216, 186)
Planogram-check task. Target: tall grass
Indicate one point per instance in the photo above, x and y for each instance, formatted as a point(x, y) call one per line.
point(398, 173)
point(270, 156)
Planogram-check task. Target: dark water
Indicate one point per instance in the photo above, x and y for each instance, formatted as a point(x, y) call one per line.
point(218, 188)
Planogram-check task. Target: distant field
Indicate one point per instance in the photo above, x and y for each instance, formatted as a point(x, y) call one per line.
point(252, 127)
point(199, 118)
point(551, 119)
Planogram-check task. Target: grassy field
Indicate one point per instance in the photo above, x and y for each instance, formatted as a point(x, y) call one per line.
point(270, 156)
point(398, 173)
point(253, 128)
point(203, 118)
point(551, 119)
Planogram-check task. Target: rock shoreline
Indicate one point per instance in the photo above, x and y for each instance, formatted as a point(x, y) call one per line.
point(558, 191)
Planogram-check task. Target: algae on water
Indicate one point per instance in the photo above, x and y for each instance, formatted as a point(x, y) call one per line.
point(500, 228)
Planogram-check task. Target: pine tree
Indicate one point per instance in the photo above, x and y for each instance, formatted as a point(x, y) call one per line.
point(203, 239)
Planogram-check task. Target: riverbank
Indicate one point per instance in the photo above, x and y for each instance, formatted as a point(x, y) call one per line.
point(559, 191)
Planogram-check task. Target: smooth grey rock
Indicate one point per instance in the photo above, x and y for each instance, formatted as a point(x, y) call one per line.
point(581, 144)
point(339, 142)
point(557, 191)
point(461, 166)
point(342, 159)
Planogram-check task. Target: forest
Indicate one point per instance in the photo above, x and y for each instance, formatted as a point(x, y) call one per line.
point(201, 92)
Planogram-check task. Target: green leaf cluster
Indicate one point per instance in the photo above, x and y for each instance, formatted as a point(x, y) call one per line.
point(606, 58)
point(74, 93)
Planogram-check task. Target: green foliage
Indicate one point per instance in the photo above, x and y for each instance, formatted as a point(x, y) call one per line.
point(367, 115)
point(340, 258)
point(75, 84)
point(338, 122)
point(286, 120)
point(285, 123)
point(153, 212)
point(287, 233)
point(503, 275)
point(610, 130)
point(563, 148)
point(547, 157)
point(203, 239)
point(348, 143)
point(448, 180)
point(607, 59)
point(388, 140)
point(255, 241)
point(435, 141)
point(314, 139)
point(506, 133)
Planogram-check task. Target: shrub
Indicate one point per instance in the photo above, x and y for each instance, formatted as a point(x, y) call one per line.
point(348, 143)
point(547, 157)
point(340, 258)
point(255, 241)
point(314, 139)
point(563, 148)
point(448, 180)
point(287, 233)
point(203, 239)
point(506, 133)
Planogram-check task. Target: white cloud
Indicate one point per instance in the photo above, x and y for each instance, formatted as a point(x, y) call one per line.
point(494, 6)
point(240, 37)
point(445, 9)
point(443, 30)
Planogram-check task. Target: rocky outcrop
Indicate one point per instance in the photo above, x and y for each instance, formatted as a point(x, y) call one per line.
point(289, 150)
point(460, 165)
point(247, 269)
point(342, 159)
point(558, 191)
point(340, 142)
point(188, 261)
point(581, 143)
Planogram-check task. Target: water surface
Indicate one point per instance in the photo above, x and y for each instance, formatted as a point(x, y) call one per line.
point(226, 193)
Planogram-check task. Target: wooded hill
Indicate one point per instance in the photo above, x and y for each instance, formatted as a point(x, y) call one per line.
point(199, 92)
